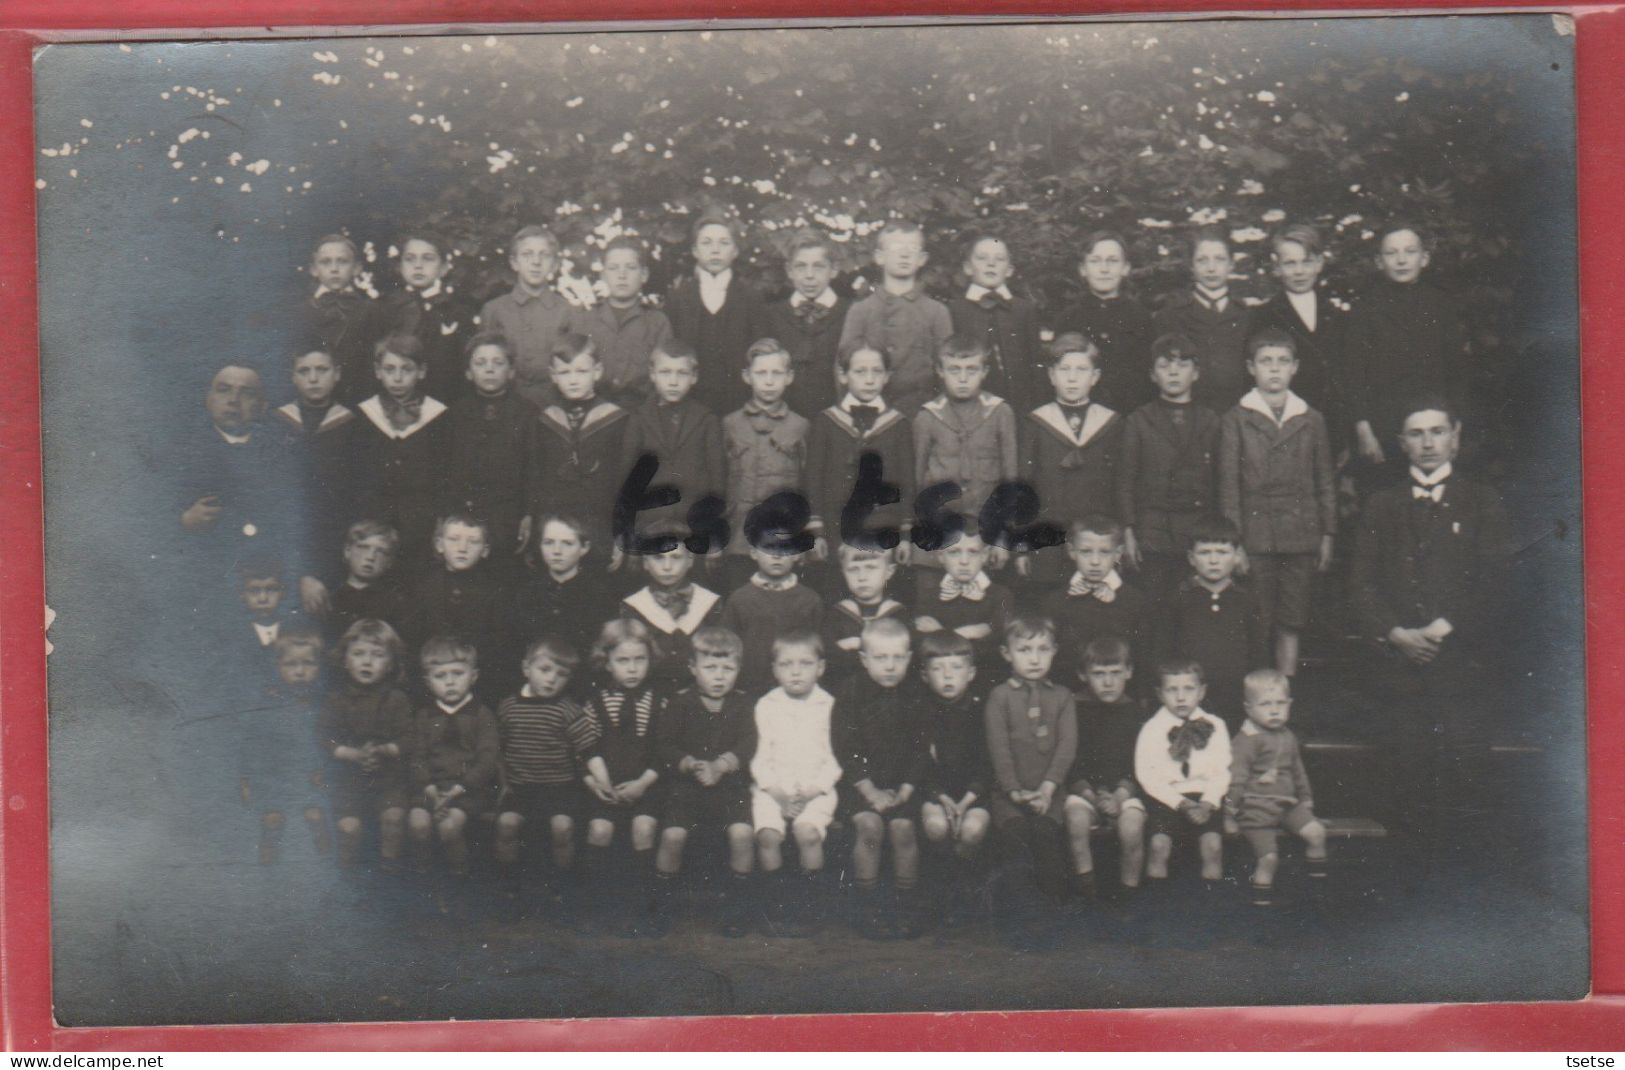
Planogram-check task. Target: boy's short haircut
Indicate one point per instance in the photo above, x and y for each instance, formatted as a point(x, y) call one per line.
point(1206, 233)
point(573, 345)
point(1028, 627)
point(372, 529)
point(853, 346)
point(312, 345)
point(1095, 237)
point(978, 237)
point(898, 226)
point(810, 640)
point(809, 238)
point(885, 628)
point(713, 641)
point(1213, 528)
point(848, 552)
point(1105, 651)
point(428, 237)
point(1095, 524)
point(1271, 337)
point(675, 348)
point(488, 338)
point(568, 520)
point(448, 650)
point(628, 241)
point(715, 218)
point(260, 567)
point(335, 239)
point(405, 346)
point(372, 630)
point(944, 645)
point(1074, 342)
point(534, 230)
point(1180, 667)
point(763, 347)
point(962, 347)
point(553, 649)
point(297, 638)
point(468, 520)
point(616, 632)
point(1175, 347)
point(1394, 226)
point(1259, 679)
point(1298, 234)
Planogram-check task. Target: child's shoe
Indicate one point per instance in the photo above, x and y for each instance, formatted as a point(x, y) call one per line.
point(912, 920)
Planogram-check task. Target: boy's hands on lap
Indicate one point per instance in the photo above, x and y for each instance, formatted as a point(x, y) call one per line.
point(927, 625)
point(1043, 797)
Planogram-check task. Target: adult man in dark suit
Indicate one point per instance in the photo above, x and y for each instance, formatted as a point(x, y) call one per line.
point(1428, 572)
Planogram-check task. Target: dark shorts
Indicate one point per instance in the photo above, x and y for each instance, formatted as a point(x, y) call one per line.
point(1283, 582)
point(541, 803)
point(357, 794)
point(852, 803)
point(1165, 821)
point(1269, 812)
point(476, 802)
point(1004, 811)
point(652, 803)
point(691, 806)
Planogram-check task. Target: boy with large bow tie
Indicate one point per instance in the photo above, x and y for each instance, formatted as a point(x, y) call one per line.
point(1182, 761)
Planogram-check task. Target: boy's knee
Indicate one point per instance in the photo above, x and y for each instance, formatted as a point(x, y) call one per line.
point(350, 826)
point(674, 836)
point(509, 823)
point(739, 836)
point(973, 830)
point(1314, 832)
point(935, 827)
point(562, 826)
point(599, 833)
point(809, 837)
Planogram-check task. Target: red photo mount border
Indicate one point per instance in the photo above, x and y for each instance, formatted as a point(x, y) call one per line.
point(25, 952)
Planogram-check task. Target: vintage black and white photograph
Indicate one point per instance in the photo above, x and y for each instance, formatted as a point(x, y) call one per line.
point(842, 518)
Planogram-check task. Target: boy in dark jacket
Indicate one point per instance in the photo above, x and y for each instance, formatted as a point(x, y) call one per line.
point(1212, 317)
point(430, 311)
point(455, 749)
point(1113, 320)
point(808, 322)
point(716, 314)
point(1003, 325)
point(493, 445)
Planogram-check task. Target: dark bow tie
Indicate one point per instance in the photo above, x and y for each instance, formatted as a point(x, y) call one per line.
point(1187, 736)
point(674, 600)
point(990, 301)
point(864, 417)
point(402, 414)
point(810, 312)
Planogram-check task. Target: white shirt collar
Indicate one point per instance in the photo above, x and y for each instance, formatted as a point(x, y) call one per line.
point(453, 709)
point(1307, 307)
point(848, 401)
point(1217, 301)
point(322, 291)
point(1295, 406)
point(235, 440)
point(714, 288)
point(1112, 581)
point(1439, 475)
point(826, 299)
point(267, 632)
point(976, 292)
point(432, 290)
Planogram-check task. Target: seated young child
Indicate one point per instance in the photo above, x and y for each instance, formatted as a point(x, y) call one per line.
point(626, 786)
point(1276, 484)
point(677, 431)
point(955, 791)
point(964, 601)
point(565, 598)
point(773, 603)
point(1103, 789)
point(368, 589)
point(706, 741)
point(879, 742)
point(1182, 761)
point(1032, 736)
point(1214, 619)
point(672, 606)
point(793, 776)
point(865, 573)
point(493, 445)
point(1095, 601)
point(281, 763)
point(455, 752)
point(401, 449)
point(1269, 787)
point(366, 726)
point(546, 740)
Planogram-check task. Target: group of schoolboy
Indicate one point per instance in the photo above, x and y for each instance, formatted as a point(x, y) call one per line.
point(514, 656)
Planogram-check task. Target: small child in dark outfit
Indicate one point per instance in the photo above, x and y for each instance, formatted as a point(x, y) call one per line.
point(281, 766)
point(366, 726)
point(1102, 787)
point(455, 751)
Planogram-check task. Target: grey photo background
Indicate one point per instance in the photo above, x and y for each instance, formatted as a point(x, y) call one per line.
point(153, 274)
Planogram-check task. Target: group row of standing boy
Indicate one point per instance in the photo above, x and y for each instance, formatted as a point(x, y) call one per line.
point(731, 569)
